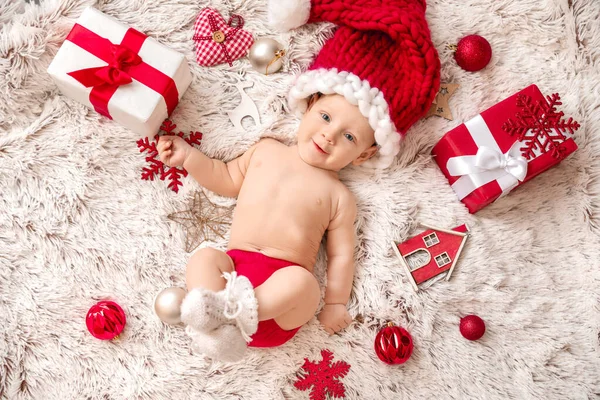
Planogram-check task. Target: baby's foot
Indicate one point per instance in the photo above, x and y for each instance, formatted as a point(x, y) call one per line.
point(241, 304)
point(202, 310)
point(224, 343)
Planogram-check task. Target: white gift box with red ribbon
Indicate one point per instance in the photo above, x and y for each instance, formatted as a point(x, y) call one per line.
point(120, 72)
point(491, 154)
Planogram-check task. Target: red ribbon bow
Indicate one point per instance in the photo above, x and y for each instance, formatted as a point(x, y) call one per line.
point(114, 74)
point(124, 65)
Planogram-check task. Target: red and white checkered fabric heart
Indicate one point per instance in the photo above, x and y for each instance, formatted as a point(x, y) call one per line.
point(218, 42)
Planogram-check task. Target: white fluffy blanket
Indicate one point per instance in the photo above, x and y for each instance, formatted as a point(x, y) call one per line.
point(78, 225)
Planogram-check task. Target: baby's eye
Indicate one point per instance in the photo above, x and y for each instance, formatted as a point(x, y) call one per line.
point(325, 117)
point(349, 137)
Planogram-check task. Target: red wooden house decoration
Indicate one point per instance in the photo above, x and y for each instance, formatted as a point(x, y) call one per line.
point(442, 248)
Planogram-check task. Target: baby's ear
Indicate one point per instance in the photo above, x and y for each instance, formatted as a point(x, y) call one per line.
point(365, 155)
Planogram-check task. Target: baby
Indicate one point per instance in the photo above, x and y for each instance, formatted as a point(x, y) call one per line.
point(287, 198)
point(371, 81)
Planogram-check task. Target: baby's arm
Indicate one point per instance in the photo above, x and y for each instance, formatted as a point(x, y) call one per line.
point(215, 175)
point(222, 178)
point(340, 265)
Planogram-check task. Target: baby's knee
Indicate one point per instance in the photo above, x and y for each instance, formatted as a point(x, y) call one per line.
point(209, 257)
point(305, 282)
point(205, 253)
point(309, 289)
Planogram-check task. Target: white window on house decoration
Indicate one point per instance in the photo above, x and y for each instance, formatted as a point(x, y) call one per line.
point(431, 239)
point(442, 259)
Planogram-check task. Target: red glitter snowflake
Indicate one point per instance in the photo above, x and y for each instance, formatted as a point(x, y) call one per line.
point(156, 167)
point(323, 377)
point(540, 127)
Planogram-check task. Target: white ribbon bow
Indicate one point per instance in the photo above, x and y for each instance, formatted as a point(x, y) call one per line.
point(487, 165)
point(488, 159)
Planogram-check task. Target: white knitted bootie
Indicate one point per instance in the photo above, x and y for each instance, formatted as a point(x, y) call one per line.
point(241, 305)
point(202, 309)
point(224, 343)
point(220, 324)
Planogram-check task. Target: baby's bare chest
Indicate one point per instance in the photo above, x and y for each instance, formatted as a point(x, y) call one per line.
point(283, 188)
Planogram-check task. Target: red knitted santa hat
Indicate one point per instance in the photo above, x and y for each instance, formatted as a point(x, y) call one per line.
point(380, 58)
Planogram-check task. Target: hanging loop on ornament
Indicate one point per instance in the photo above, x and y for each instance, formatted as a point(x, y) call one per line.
point(452, 47)
point(278, 54)
point(238, 19)
point(266, 55)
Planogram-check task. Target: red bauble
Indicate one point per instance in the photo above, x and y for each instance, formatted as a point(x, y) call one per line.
point(393, 344)
point(472, 327)
point(473, 53)
point(105, 320)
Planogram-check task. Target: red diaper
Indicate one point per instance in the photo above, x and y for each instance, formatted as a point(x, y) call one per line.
point(258, 268)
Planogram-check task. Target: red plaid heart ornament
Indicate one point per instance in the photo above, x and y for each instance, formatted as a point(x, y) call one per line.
point(218, 42)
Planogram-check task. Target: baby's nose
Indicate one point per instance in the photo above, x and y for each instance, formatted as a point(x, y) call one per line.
point(329, 136)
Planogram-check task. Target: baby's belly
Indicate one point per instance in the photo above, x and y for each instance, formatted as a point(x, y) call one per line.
point(279, 232)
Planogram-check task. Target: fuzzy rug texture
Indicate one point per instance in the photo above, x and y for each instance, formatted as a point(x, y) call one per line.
point(78, 225)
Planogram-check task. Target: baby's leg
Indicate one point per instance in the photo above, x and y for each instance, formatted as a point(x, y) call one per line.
point(205, 269)
point(206, 310)
point(202, 308)
point(291, 296)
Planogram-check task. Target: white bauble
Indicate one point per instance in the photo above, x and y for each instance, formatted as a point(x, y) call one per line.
point(266, 56)
point(167, 305)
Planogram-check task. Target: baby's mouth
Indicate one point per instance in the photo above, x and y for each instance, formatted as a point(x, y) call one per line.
point(319, 148)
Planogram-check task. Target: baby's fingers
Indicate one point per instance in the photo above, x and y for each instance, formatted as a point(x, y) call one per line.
point(343, 324)
point(163, 144)
point(165, 157)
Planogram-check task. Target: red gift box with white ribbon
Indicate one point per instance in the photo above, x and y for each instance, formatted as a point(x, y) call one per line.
point(120, 72)
point(504, 146)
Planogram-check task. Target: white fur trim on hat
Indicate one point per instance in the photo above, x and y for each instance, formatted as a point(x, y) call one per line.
point(370, 102)
point(288, 14)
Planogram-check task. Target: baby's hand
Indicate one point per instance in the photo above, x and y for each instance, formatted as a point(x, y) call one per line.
point(173, 150)
point(334, 317)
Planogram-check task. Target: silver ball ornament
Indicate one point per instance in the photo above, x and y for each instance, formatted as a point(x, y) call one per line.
point(266, 56)
point(167, 305)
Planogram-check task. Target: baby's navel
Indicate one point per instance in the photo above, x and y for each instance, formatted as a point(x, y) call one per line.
point(318, 202)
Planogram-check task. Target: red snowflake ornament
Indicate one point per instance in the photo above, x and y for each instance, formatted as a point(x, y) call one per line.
point(323, 377)
point(540, 127)
point(155, 166)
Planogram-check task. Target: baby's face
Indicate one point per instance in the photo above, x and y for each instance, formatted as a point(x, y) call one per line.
point(333, 133)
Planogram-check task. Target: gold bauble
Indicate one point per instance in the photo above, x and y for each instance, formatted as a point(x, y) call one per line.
point(167, 305)
point(266, 56)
